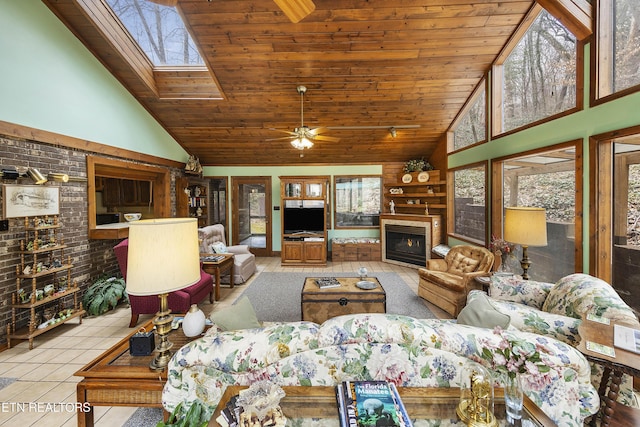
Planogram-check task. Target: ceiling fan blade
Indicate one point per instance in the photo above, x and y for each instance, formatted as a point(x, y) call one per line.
point(285, 131)
point(317, 131)
point(296, 10)
point(280, 139)
point(325, 138)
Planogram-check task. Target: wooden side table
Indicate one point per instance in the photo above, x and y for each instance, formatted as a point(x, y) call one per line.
point(624, 362)
point(218, 268)
point(115, 378)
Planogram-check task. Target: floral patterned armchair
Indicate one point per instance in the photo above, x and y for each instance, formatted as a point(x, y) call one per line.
point(555, 310)
point(406, 351)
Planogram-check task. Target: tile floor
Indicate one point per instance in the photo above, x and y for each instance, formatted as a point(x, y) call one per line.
point(45, 374)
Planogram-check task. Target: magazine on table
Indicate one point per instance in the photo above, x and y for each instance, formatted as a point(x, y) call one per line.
point(327, 282)
point(371, 403)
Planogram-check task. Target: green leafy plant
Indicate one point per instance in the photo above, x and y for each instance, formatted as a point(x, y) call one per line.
point(198, 415)
point(417, 165)
point(103, 295)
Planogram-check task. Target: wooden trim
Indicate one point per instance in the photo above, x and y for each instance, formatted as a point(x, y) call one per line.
point(32, 134)
point(576, 15)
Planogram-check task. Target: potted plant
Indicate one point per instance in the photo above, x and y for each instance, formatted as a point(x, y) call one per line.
point(103, 295)
point(417, 165)
point(198, 415)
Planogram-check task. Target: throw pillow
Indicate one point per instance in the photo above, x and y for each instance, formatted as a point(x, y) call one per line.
point(461, 264)
point(514, 288)
point(219, 248)
point(481, 313)
point(241, 315)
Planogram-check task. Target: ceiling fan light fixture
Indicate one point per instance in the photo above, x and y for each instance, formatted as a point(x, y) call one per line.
point(301, 143)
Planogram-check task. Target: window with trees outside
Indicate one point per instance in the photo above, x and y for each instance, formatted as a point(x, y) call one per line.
point(358, 201)
point(615, 211)
point(471, 126)
point(158, 30)
point(544, 179)
point(468, 202)
point(537, 77)
point(618, 38)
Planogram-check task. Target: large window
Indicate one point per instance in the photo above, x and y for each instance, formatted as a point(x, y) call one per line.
point(468, 202)
point(615, 211)
point(357, 201)
point(537, 77)
point(158, 30)
point(471, 127)
point(544, 179)
point(618, 38)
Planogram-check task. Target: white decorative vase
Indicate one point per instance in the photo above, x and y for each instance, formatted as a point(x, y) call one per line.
point(193, 322)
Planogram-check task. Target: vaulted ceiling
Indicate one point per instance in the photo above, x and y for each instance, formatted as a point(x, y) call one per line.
point(367, 65)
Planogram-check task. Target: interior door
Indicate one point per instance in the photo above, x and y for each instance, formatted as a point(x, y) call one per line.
point(251, 213)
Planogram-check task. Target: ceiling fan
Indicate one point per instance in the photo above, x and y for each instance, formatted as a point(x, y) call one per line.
point(302, 136)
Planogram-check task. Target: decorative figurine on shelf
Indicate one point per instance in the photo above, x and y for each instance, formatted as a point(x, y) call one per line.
point(193, 166)
point(392, 207)
point(426, 208)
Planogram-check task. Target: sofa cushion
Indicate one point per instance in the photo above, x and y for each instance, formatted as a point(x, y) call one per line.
point(241, 315)
point(481, 313)
point(579, 294)
point(514, 289)
point(461, 264)
point(444, 279)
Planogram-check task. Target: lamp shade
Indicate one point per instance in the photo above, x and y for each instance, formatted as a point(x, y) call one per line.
point(525, 226)
point(163, 255)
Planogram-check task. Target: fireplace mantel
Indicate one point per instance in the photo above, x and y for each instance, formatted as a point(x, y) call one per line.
point(431, 226)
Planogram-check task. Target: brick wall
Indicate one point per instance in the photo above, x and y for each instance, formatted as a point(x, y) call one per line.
point(90, 258)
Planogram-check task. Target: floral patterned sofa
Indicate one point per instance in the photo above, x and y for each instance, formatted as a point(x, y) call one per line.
point(555, 310)
point(409, 352)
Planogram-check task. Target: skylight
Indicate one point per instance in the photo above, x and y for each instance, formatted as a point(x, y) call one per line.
point(159, 31)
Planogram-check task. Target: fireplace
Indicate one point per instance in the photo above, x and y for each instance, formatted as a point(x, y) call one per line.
point(407, 242)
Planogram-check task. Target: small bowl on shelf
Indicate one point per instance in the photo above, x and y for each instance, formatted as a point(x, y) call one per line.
point(132, 216)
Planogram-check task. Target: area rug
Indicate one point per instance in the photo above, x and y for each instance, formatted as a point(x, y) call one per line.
point(276, 296)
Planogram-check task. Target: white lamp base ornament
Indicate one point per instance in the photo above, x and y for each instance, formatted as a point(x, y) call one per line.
point(194, 321)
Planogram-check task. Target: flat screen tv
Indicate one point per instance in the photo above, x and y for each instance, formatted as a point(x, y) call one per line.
point(300, 220)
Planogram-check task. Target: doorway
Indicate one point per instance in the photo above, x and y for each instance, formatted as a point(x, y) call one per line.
point(251, 213)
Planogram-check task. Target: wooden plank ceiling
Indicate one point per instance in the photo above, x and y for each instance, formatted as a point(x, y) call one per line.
point(368, 66)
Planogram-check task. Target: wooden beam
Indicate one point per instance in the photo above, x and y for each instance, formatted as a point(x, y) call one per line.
point(576, 15)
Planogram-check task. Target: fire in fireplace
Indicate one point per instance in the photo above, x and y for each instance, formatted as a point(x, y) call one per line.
point(406, 244)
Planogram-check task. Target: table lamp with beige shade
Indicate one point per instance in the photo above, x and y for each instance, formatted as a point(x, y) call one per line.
point(163, 257)
point(525, 226)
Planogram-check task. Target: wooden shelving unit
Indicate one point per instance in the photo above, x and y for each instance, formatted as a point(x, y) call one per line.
point(417, 197)
point(44, 272)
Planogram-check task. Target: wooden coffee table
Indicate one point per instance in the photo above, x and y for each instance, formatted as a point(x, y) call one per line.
point(302, 403)
point(218, 268)
point(319, 304)
point(116, 378)
point(624, 362)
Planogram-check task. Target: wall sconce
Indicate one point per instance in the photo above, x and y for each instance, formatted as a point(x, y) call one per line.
point(10, 174)
point(393, 132)
point(58, 177)
point(36, 176)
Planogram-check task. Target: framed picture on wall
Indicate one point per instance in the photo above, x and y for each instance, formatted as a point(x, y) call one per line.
point(30, 200)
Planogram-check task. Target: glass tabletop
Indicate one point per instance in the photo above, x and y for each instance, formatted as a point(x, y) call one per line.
point(426, 407)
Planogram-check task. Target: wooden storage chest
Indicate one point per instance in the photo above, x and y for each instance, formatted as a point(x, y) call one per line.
point(318, 304)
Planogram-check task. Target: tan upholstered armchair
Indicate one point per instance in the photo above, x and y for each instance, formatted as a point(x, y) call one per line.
point(446, 282)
